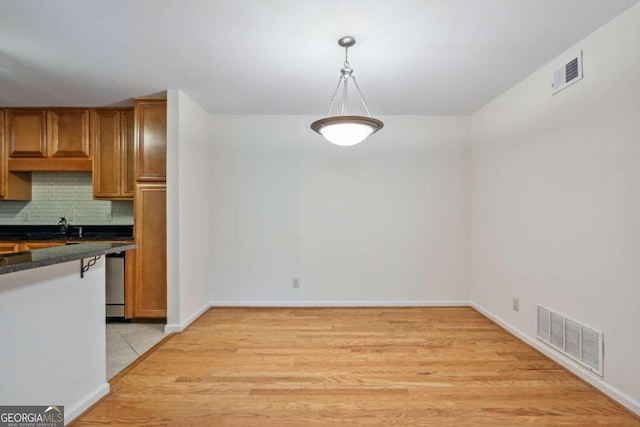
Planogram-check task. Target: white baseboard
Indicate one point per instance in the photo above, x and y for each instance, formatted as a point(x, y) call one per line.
point(179, 327)
point(72, 412)
point(373, 303)
point(625, 400)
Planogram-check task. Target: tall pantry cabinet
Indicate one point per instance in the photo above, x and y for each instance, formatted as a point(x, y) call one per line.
point(150, 214)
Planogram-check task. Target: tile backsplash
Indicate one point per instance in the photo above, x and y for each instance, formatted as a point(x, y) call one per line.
point(68, 194)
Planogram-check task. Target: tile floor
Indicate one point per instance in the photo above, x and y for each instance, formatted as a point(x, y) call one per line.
point(128, 341)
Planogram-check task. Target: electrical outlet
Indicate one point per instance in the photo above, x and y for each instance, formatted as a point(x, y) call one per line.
point(295, 282)
point(516, 304)
point(108, 216)
point(25, 217)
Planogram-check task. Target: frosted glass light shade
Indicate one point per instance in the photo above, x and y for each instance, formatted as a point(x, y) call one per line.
point(346, 130)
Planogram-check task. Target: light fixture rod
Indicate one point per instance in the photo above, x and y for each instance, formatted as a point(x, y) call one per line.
point(344, 96)
point(333, 98)
point(366, 107)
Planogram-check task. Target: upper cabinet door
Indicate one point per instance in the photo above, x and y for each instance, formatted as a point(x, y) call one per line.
point(26, 132)
point(68, 132)
point(151, 139)
point(106, 154)
point(113, 154)
point(13, 186)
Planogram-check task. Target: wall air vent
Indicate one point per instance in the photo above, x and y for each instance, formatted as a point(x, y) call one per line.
point(569, 73)
point(580, 342)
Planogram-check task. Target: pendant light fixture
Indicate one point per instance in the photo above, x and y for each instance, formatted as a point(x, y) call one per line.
point(343, 129)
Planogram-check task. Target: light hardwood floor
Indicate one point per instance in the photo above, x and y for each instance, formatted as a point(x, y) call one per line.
point(350, 367)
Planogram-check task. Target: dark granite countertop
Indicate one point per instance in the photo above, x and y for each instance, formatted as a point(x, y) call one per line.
point(19, 261)
point(52, 233)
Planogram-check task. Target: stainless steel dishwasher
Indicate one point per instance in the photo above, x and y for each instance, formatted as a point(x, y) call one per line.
point(115, 286)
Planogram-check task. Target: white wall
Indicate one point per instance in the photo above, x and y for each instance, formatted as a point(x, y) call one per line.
point(53, 337)
point(188, 210)
point(555, 201)
point(383, 222)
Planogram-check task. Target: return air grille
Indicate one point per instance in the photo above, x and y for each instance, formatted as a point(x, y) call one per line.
point(569, 73)
point(571, 70)
point(580, 342)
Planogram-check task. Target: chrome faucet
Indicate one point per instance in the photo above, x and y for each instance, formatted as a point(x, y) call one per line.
point(63, 225)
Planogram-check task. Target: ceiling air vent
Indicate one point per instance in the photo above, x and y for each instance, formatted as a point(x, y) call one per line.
point(568, 74)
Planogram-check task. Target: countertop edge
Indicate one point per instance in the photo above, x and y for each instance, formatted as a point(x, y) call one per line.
point(76, 252)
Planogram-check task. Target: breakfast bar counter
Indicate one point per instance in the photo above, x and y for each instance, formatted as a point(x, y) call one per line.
point(52, 319)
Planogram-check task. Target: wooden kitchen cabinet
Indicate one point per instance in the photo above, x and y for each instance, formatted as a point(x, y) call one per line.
point(68, 132)
point(151, 140)
point(53, 132)
point(26, 132)
point(106, 153)
point(13, 186)
point(113, 154)
point(150, 213)
point(9, 247)
point(47, 139)
point(150, 230)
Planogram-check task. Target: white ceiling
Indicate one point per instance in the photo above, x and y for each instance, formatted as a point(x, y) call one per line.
point(281, 56)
